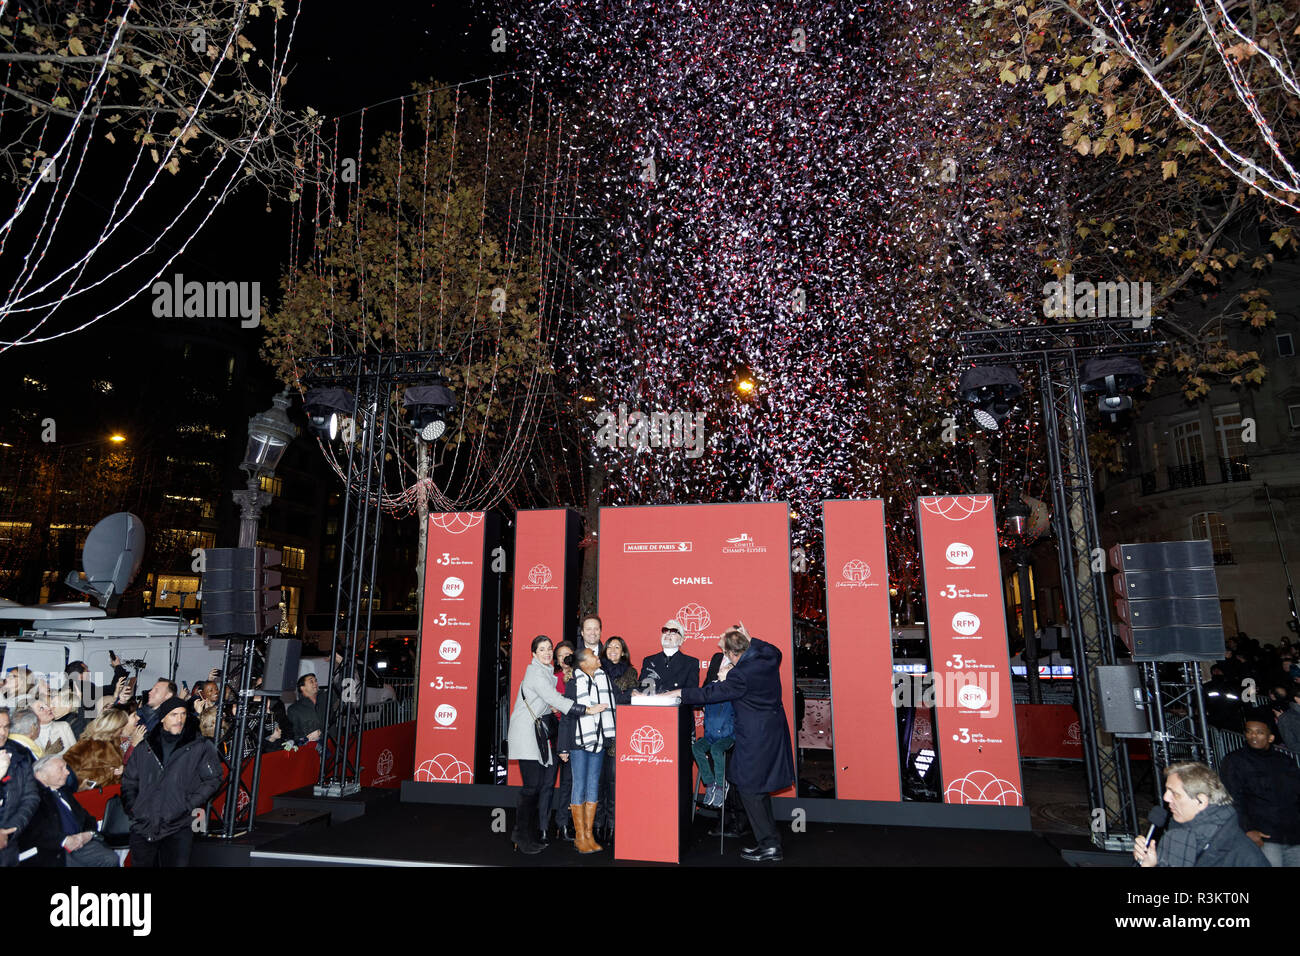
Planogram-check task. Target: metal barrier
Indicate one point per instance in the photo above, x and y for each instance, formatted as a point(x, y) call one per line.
point(1225, 742)
point(397, 710)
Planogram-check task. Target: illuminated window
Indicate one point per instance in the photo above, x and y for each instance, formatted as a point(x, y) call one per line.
point(294, 558)
point(186, 540)
point(1210, 525)
point(1188, 449)
point(1227, 428)
point(292, 600)
point(175, 585)
point(274, 485)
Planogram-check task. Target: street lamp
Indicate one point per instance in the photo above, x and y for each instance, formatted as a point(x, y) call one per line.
point(269, 434)
point(1015, 525)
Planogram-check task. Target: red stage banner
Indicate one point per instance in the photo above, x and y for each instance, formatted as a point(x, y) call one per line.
point(541, 566)
point(449, 647)
point(861, 651)
point(1049, 730)
point(707, 566)
point(975, 725)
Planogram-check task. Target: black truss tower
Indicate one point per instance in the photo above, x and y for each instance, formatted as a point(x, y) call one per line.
point(1055, 352)
point(372, 378)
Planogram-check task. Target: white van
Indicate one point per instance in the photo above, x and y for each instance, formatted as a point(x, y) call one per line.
point(50, 636)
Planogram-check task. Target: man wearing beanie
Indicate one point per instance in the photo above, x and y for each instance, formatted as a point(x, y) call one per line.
point(174, 771)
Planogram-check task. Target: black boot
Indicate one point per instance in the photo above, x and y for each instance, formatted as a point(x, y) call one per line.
point(526, 825)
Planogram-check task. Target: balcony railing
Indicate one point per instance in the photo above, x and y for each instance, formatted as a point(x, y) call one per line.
point(1193, 476)
point(1235, 469)
point(1186, 476)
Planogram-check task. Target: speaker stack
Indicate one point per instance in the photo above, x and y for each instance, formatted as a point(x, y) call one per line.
point(1168, 601)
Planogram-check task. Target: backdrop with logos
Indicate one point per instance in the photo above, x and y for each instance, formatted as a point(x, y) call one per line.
point(457, 634)
point(710, 566)
point(707, 566)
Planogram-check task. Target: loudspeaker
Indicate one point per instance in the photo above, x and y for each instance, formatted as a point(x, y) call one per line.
point(1122, 700)
point(282, 656)
point(1169, 601)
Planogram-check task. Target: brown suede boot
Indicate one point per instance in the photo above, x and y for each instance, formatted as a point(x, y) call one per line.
point(588, 821)
point(581, 838)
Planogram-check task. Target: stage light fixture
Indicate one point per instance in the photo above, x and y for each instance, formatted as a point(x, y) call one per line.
point(427, 409)
point(993, 390)
point(325, 407)
point(1114, 378)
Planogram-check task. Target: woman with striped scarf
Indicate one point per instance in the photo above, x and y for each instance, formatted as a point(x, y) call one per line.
point(583, 739)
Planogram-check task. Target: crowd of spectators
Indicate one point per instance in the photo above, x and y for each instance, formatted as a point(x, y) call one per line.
point(1253, 692)
point(1254, 677)
point(157, 744)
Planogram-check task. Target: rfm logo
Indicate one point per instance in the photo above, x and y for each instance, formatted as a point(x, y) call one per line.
point(964, 623)
point(445, 714)
point(453, 586)
point(960, 554)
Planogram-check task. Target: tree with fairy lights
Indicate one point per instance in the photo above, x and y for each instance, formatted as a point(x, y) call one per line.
point(1177, 126)
point(160, 111)
point(437, 238)
point(758, 206)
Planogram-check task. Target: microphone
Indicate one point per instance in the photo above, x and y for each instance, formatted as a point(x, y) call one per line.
point(1158, 817)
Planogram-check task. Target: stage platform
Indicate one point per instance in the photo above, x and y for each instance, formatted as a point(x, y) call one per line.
point(393, 833)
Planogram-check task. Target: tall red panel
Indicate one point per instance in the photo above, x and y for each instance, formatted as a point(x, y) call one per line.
point(707, 566)
point(543, 562)
point(449, 647)
point(974, 713)
point(858, 630)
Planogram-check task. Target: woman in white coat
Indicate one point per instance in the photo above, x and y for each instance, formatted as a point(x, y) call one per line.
point(536, 695)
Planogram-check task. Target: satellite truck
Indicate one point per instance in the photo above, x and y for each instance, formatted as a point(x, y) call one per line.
point(46, 637)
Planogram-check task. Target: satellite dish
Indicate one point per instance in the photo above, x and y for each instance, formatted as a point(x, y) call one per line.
point(112, 557)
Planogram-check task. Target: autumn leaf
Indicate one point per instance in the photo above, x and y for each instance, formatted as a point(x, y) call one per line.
point(1169, 169)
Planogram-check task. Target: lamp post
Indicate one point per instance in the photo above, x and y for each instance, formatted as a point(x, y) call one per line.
point(269, 434)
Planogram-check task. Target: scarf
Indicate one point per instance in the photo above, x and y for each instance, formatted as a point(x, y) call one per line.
point(622, 675)
point(1184, 842)
point(595, 731)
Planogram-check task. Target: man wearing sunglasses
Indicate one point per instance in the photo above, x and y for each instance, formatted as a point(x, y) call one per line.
point(670, 668)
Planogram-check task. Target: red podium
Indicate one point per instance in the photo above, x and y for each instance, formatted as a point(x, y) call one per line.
point(652, 784)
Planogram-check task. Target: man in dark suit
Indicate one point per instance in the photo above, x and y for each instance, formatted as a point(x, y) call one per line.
point(62, 832)
point(18, 797)
point(763, 760)
point(670, 668)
